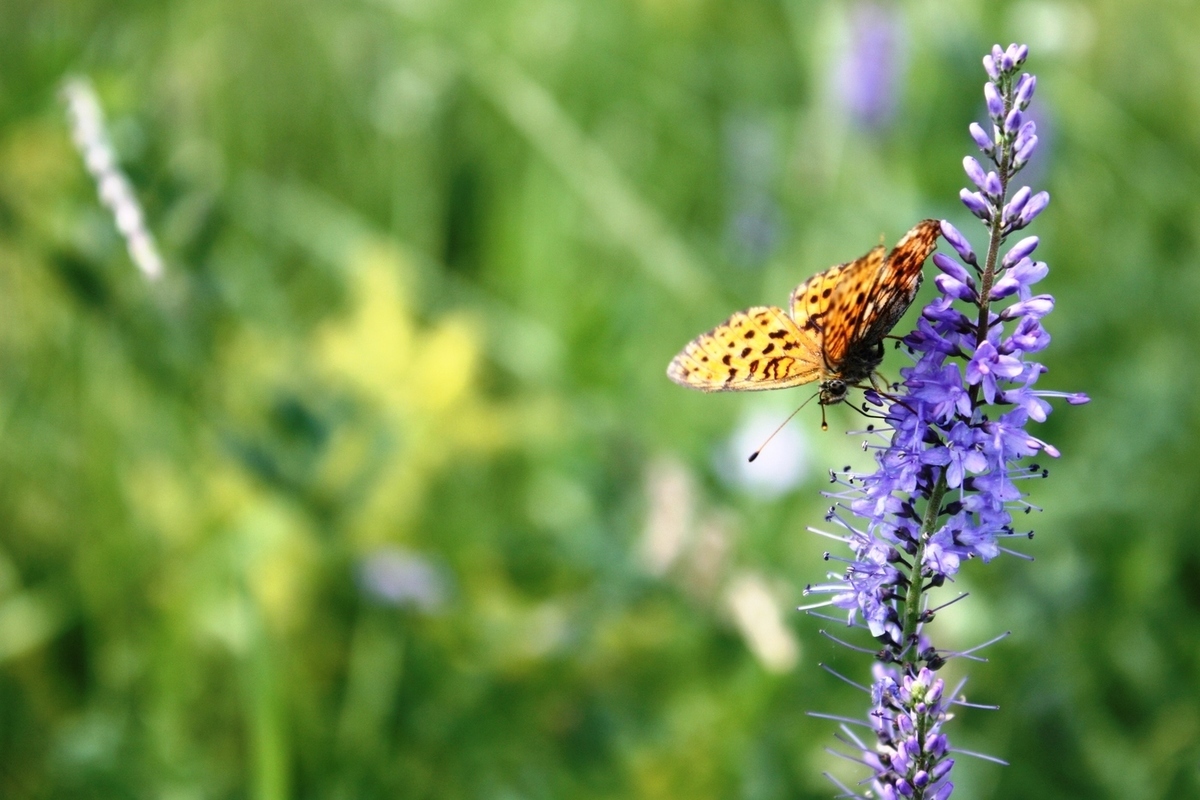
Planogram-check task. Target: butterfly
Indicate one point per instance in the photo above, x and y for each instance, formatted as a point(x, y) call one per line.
point(833, 334)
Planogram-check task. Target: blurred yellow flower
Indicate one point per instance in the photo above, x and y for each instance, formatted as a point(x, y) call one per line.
point(423, 380)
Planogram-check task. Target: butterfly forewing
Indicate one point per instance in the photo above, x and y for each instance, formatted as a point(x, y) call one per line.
point(896, 284)
point(760, 348)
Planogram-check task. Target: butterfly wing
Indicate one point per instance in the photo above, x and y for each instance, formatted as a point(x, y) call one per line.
point(835, 316)
point(828, 303)
point(760, 348)
point(855, 305)
point(895, 285)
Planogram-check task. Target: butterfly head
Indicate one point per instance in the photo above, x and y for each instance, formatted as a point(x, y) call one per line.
point(832, 391)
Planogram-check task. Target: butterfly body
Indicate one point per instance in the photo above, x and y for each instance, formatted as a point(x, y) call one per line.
point(833, 333)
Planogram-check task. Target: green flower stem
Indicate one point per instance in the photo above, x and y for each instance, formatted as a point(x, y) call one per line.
point(916, 578)
point(1003, 171)
point(912, 603)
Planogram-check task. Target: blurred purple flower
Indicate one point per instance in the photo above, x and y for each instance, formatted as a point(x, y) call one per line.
point(754, 222)
point(869, 73)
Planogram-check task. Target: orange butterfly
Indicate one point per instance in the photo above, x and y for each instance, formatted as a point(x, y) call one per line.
point(835, 333)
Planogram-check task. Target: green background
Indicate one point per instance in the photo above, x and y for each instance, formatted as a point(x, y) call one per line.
point(426, 262)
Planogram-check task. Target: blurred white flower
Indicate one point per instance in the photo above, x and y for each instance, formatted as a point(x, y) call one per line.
point(759, 618)
point(708, 555)
point(398, 577)
point(670, 501)
point(779, 468)
point(91, 138)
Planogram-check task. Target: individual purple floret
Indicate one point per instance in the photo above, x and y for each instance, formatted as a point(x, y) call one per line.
point(951, 454)
point(995, 103)
point(981, 138)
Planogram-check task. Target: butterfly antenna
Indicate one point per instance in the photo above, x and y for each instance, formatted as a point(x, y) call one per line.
point(754, 455)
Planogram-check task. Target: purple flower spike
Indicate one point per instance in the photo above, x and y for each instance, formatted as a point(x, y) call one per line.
point(960, 244)
point(870, 70)
point(982, 139)
point(995, 103)
point(949, 452)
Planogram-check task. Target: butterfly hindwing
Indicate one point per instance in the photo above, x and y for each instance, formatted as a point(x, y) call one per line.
point(827, 302)
point(896, 284)
point(760, 348)
point(810, 300)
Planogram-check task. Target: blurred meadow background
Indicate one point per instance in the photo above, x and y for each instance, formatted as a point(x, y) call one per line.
point(381, 490)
